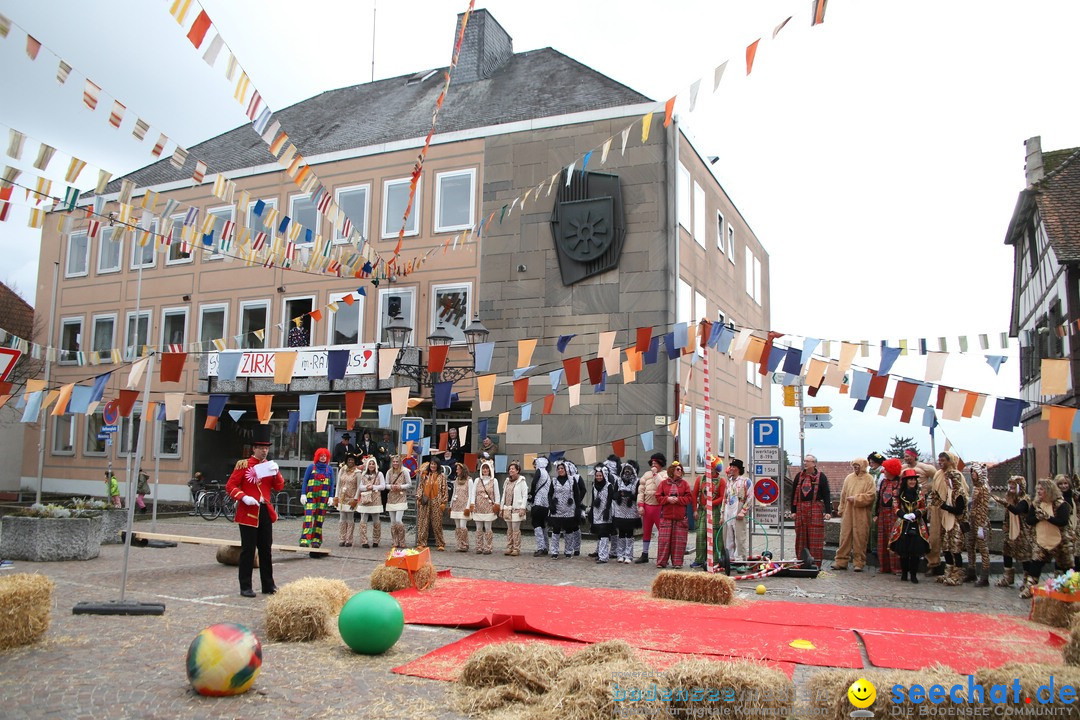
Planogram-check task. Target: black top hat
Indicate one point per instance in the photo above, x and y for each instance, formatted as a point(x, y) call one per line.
point(262, 435)
point(346, 436)
point(738, 465)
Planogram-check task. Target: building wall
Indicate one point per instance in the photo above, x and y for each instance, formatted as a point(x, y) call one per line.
point(11, 447)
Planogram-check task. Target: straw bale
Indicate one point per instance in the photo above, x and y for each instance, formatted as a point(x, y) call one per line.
point(425, 577)
point(25, 608)
point(1071, 652)
point(389, 579)
point(1032, 676)
point(336, 592)
point(599, 692)
point(712, 588)
point(753, 689)
point(602, 652)
point(1054, 613)
point(293, 615)
point(826, 690)
point(531, 667)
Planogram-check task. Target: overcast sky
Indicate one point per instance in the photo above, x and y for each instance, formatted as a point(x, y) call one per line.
point(877, 157)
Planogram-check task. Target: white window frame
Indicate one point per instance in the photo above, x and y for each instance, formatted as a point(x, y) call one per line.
point(701, 309)
point(686, 435)
point(411, 320)
point(271, 232)
point(731, 436)
point(135, 249)
point(286, 317)
point(699, 434)
point(751, 371)
point(471, 173)
point(87, 452)
point(73, 425)
point(224, 308)
point(178, 240)
point(683, 299)
point(107, 357)
point(731, 243)
point(699, 215)
point(159, 437)
point(720, 233)
point(61, 351)
point(166, 312)
point(135, 350)
point(748, 258)
point(434, 291)
point(358, 302)
point(101, 255)
point(214, 254)
point(86, 255)
point(120, 437)
point(414, 215)
point(318, 221)
point(244, 305)
point(682, 196)
point(757, 280)
point(366, 187)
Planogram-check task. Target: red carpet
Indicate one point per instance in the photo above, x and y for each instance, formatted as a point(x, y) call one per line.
point(760, 630)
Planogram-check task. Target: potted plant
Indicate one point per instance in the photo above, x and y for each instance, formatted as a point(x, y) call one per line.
point(113, 519)
point(51, 532)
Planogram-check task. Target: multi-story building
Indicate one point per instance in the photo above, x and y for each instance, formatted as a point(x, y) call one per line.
point(1045, 234)
point(17, 318)
point(671, 247)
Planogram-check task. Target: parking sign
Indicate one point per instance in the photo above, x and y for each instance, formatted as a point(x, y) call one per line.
point(765, 432)
point(411, 429)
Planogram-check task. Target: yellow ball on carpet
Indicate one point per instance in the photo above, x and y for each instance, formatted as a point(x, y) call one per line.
point(760, 590)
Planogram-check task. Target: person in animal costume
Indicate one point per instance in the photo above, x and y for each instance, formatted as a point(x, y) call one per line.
point(460, 506)
point(564, 497)
point(316, 489)
point(582, 492)
point(599, 511)
point(979, 526)
point(949, 495)
point(538, 496)
point(370, 507)
point(514, 504)
point(484, 505)
point(910, 538)
point(1016, 548)
point(856, 503)
point(624, 513)
point(398, 481)
point(431, 496)
point(1049, 515)
point(888, 491)
point(347, 498)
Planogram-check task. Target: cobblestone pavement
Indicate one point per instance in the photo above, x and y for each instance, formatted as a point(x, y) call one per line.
point(133, 667)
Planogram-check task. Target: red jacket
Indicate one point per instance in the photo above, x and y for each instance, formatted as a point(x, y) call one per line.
point(243, 482)
point(676, 510)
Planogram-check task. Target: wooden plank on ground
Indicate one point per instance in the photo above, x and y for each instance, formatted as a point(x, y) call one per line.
point(193, 540)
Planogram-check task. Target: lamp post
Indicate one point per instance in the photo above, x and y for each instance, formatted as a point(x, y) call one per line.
point(399, 334)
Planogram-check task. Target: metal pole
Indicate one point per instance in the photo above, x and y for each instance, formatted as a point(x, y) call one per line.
point(48, 374)
point(138, 454)
point(157, 472)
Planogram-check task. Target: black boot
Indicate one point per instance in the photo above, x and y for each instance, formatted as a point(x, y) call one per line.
point(643, 559)
point(904, 569)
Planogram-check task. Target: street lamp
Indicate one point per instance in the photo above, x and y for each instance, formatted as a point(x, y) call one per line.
point(398, 334)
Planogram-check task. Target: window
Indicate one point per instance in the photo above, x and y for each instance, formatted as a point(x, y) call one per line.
point(450, 306)
point(91, 444)
point(303, 211)
point(395, 199)
point(699, 439)
point(169, 439)
point(104, 338)
point(699, 215)
point(731, 437)
point(757, 281)
point(143, 256)
point(685, 438)
point(753, 377)
point(78, 257)
point(212, 323)
point(396, 302)
point(731, 243)
point(683, 308)
point(174, 327)
point(749, 257)
point(255, 222)
point(346, 325)
point(137, 335)
point(253, 316)
point(64, 435)
point(721, 435)
point(720, 231)
point(454, 200)
point(176, 256)
point(221, 215)
point(121, 436)
point(70, 340)
point(108, 260)
point(1055, 345)
point(294, 308)
point(354, 202)
point(682, 195)
point(700, 311)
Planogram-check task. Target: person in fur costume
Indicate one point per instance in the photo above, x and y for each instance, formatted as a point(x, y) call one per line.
point(910, 538)
point(431, 497)
point(1049, 515)
point(514, 502)
point(888, 491)
point(460, 506)
point(398, 481)
point(979, 526)
point(316, 489)
point(624, 513)
point(1065, 487)
point(347, 498)
point(538, 496)
point(599, 511)
point(370, 507)
point(484, 505)
point(856, 503)
point(949, 495)
point(1017, 545)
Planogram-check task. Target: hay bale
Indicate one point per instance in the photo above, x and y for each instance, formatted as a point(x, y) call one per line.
point(532, 667)
point(1071, 652)
point(25, 608)
point(711, 588)
point(230, 555)
point(425, 577)
point(602, 652)
point(389, 579)
point(335, 592)
point(702, 687)
point(1054, 613)
point(827, 690)
point(297, 617)
point(601, 691)
point(1031, 677)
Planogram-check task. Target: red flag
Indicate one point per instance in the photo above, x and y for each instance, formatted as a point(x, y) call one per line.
point(354, 406)
point(471, 460)
point(751, 51)
point(572, 366)
point(669, 108)
point(521, 390)
point(644, 339)
point(437, 357)
point(198, 29)
point(316, 315)
point(444, 437)
point(211, 422)
point(596, 370)
point(619, 447)
point(127, 401)
point(172, 366)
point(549, 402)
point(818, 12)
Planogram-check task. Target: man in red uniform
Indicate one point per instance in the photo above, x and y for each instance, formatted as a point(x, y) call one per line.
point(255, 515)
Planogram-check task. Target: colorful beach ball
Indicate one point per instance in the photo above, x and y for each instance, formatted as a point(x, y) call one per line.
point(224, 659)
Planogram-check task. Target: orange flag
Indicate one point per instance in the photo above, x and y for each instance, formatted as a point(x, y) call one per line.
point(669, 109)
point(284, 363)
point(549, 403)
point(751, 51)
point(470, 461)
point(485, 390)
point(262, 408)
point(525, 352)
point(62, 401)
point(354, 406)
point(521, 390)
point(1061, 420)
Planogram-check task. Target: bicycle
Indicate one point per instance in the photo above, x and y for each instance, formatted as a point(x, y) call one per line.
point(214, 503)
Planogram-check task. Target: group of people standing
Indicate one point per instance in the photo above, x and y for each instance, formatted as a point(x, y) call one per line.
point(932, 512)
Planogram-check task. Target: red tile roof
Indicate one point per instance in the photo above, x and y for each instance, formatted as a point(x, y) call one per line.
point(16, 315)
point(1058, 198)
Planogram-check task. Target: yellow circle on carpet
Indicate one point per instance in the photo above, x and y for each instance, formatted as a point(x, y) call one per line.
point(803, 645)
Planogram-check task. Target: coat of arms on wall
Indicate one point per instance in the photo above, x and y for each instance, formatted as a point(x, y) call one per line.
point(588, 225)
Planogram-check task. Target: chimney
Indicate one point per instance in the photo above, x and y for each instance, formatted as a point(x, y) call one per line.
point(484, 49)
point(1033, 160)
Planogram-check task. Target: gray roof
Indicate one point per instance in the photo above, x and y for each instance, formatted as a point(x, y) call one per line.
point(534, 84)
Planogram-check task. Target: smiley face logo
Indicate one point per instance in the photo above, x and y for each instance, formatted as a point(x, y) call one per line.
point(862, 693)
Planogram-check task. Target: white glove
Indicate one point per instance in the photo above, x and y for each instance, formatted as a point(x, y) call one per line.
point(303, 498)
point(981, 533)
point(910, 517)
point(248, 500)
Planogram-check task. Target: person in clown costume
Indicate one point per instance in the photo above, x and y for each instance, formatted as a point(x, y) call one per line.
point(316, 489)
point(255, 513)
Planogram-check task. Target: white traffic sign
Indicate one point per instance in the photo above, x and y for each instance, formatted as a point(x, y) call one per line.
point(767, 514)
point(766, 455)
point(818, 425)
point(766, 469)
point(818, 417)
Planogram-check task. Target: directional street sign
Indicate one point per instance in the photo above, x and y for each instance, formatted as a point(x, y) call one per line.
point(816, 410)
point(103, 436)
point(818, 425)
point(766, 455)
point(108, 429)
point(820, 417)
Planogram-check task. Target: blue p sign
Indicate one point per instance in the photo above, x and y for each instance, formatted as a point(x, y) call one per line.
point(411, 429)
point(765, 432)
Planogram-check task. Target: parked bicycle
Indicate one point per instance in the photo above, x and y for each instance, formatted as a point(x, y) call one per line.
point(213, 503)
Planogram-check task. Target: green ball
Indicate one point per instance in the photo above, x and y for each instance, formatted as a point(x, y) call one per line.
point(371, 622)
